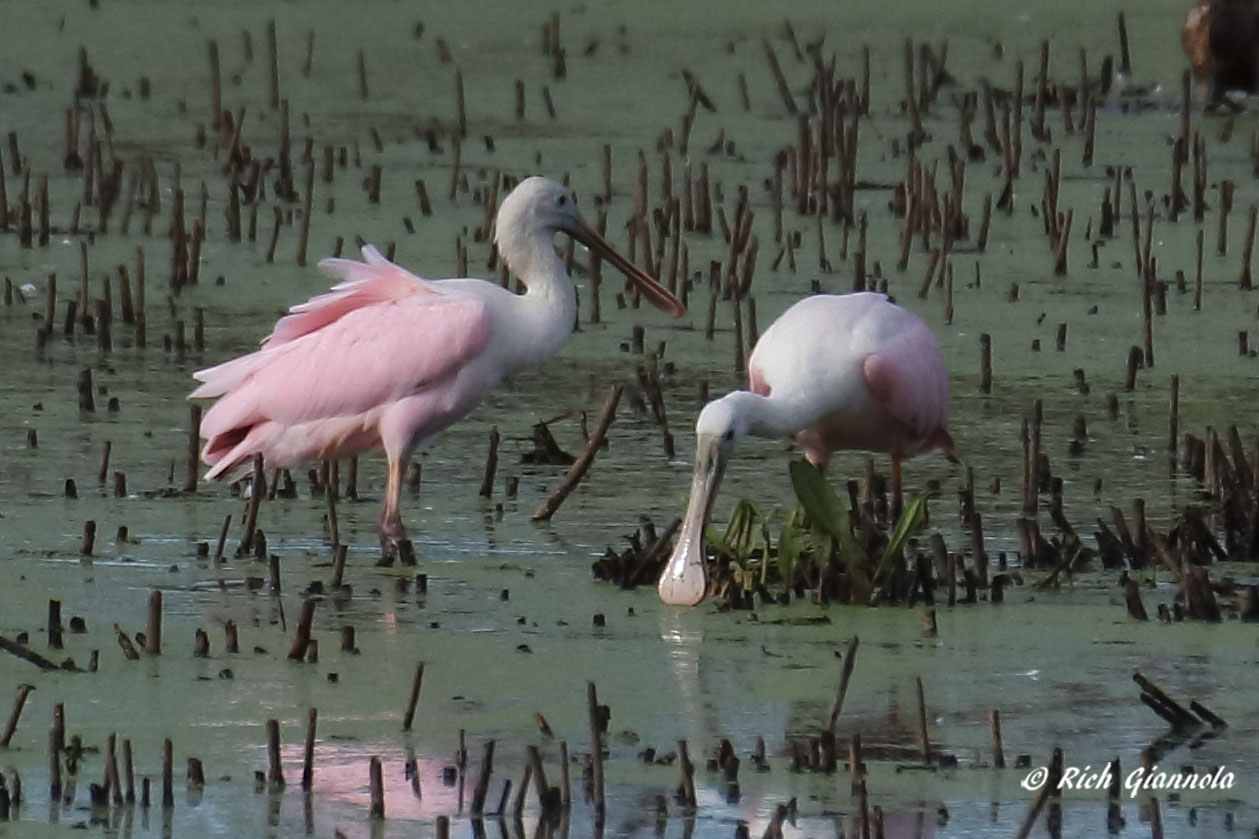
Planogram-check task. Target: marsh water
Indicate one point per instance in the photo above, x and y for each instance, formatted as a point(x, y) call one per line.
point(506, 628)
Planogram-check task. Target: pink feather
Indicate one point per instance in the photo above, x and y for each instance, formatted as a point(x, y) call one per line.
point(331, 368)
point(375, 280)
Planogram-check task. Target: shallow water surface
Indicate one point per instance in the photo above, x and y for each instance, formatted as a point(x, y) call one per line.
point(506, 628)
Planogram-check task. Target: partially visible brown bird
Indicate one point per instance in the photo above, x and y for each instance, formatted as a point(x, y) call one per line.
point(1221, 38)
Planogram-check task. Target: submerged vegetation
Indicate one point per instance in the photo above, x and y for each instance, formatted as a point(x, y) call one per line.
point(837, 553)
point(868, 550)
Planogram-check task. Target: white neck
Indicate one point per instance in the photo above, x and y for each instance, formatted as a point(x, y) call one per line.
point(762, 416)
point(548, 307)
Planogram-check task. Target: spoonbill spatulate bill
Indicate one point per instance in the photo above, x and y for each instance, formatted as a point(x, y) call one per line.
point(833, 372)
point(386, 359)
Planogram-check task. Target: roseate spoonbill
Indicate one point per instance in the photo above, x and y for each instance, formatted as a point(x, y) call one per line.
point(851, 371)
point(387, 360)
point(1221, 39)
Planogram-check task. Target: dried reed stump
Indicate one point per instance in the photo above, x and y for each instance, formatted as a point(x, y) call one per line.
point(582, 464)
point(414, 699)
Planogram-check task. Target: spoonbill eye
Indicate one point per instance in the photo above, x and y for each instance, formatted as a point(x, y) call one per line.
point(728, 436)
point(563, 200)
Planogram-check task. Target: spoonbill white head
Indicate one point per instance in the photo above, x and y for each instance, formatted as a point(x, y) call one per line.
point(537, 209)
point(720, 427)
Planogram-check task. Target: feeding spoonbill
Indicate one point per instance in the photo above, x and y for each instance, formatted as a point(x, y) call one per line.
point(387, 360)
point(851, 371)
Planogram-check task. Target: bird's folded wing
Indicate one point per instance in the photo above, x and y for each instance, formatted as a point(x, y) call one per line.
point(912, 384)
point(374, 280)
point(364, 360)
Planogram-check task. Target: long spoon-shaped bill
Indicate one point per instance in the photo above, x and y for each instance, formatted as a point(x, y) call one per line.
point(652, 291)
point(684, 581)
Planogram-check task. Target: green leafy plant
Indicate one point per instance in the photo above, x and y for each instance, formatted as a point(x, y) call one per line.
point(815, 542)
point(823, 506)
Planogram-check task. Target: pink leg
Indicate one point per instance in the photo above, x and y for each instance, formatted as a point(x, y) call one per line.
point(403, 426)
point(392, 531)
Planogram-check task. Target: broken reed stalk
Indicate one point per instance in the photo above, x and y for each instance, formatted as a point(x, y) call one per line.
point(582, 464)
point(112, 779)
point(168, 775)
point(923, 737)
point(153, 626)
point(414, 699)
point(330, 495)
point(985, 363)
point(310, 53)
point(565, 787)
point(195, 772)
point(1125, 59)
point(128, 649)
point(257, 488)
point(491, 465)
point(141, 318)
point(518, 804)
point(348, 644)
point(10, 727)
point(56, 746)
point(275, 769)
point(850, 661)
point(301, 639)
point(1169, 709)
point(998, 747)
point(277, 221)
point(1033, 811)
point(351, 479)
point(339, 555)
point(1156, 818)
point(1173, 415)
point(26, 654)
point(128, 772)
point(103, 471)
point(596, 751)
point(194, 448)
point(307, 197)
point(688, 775)
point(539, 777)
point(377, 786)
point(362, 76)
point(784, 89)
point(855, 767)
point(483, 780)
point(274, 64)
point(308, 760)
point(1226, 206)
point(54, 624)
point(222, 540)
point(461, 115)
point(201, 643)
point(1248, 245)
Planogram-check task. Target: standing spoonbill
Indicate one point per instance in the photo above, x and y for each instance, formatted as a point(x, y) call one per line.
point(387, 360)
point(851, 371)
